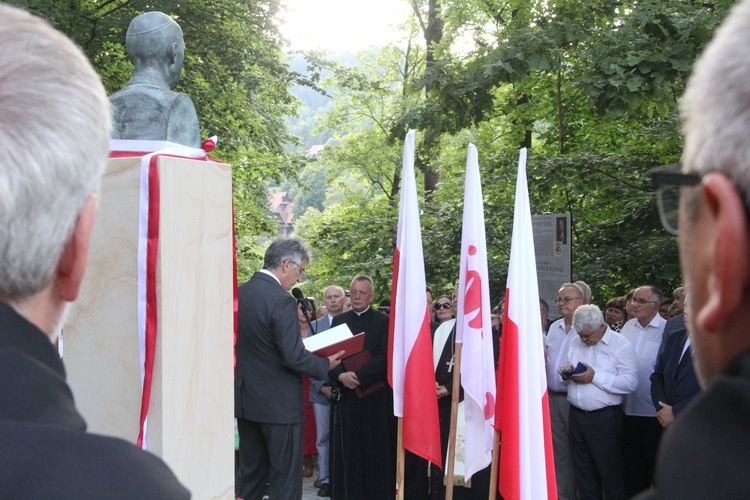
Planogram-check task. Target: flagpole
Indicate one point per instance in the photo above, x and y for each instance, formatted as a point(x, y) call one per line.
point(400, 461)
point(454, 420)
point(495, 465)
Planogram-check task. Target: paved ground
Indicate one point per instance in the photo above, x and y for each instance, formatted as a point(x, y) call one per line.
point(310, 492)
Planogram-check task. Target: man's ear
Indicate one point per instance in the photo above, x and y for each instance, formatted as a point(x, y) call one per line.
point(72, 263)
point(728, 248)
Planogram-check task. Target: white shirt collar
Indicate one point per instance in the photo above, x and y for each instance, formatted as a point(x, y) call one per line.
point(266, 271)
point(361, 313)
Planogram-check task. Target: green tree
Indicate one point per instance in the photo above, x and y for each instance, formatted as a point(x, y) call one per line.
point(591, 86)
point(234, 71)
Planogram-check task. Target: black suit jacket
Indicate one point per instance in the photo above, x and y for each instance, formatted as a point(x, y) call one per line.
point(271, 357)
point(704, 454)
point(673, 324)
point(45, 451)
point(674, 381)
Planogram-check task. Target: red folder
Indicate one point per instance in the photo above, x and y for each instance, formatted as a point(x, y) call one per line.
point(354, 363)
point(351, 345)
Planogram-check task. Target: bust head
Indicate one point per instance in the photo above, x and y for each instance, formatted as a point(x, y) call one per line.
point(154, 43)
point(147, 108)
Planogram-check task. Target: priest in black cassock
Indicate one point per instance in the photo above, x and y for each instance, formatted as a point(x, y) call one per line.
point(363, 434)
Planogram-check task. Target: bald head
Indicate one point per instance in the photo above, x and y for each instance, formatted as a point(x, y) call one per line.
point(333, 298)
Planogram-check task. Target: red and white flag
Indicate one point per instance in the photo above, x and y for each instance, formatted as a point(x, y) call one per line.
point(527, 469)
point(410, 368)
point(474, 326)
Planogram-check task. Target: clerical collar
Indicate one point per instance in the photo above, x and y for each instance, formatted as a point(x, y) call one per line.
point(361, 313)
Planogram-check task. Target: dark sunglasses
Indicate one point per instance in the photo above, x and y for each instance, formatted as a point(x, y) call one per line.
point(441, 305)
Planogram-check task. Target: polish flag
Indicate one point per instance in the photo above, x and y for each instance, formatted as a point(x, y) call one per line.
point(474, 326)
point(410, 365)
point(527, 469)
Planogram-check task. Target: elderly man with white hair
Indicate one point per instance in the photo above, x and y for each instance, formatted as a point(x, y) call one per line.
point(704, 453)
point(55, 126)
point(600, 368)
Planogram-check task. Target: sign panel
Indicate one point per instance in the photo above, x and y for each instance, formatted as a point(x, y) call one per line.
point(553, 256)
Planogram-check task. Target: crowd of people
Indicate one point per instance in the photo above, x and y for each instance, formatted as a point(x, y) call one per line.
point(614, 382)
point(352, 404)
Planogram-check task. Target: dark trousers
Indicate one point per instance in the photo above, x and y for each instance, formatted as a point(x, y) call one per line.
point(596, 448)
point(642, 435)
point(363, 453)
point(416, 481)
point(273, 453)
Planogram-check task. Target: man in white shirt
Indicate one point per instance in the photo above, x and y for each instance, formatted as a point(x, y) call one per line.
point(569, 297)
point(595, 397)
point(586, 291)
point(642, 429)
point(704, 453)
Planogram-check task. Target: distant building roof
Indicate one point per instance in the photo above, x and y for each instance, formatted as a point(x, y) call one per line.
point(283, 208)
point(314, 150)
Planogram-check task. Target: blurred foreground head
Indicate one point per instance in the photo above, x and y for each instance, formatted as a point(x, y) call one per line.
point(713, 225)
point(55, 125)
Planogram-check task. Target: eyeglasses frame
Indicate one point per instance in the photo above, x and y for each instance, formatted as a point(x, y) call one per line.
point(672, 175)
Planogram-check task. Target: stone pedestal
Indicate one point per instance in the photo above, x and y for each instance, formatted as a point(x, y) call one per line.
point(190, 423)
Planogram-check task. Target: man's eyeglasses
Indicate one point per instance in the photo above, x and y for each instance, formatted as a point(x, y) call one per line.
point(667, 182)
point(301, 269)
point(441, 305)
point(567, 299)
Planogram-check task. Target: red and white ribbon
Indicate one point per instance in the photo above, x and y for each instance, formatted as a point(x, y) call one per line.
point(148, 244)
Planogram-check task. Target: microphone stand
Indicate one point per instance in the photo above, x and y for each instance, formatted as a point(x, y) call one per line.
point(337, 444)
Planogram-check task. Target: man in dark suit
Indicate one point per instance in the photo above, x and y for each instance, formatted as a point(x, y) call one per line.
point(704, 453)
point(271, 360)
point(672, 325)
point(673, 383)
point(320, 391)
point(55, 126)
point(364, 437)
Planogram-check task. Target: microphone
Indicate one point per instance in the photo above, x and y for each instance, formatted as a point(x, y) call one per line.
point(302, 300)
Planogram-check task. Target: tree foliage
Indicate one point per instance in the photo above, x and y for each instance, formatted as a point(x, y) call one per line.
point(235, 72)
point(591, 86)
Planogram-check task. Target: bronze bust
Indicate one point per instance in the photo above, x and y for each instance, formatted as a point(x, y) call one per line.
point(146, 107)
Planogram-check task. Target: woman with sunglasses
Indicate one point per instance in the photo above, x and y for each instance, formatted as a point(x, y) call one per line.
point(443, 309)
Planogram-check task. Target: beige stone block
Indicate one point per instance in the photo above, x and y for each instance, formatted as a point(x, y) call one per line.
point(190, 421)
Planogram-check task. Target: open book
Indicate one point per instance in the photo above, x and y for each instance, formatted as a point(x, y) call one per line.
point(334, 340)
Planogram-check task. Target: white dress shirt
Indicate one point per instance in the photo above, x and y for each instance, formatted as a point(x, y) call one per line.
point(555, 350)
point(646, 342)
point(614, 364)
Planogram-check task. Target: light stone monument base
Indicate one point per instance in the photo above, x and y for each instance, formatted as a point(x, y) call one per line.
point(190, 422)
